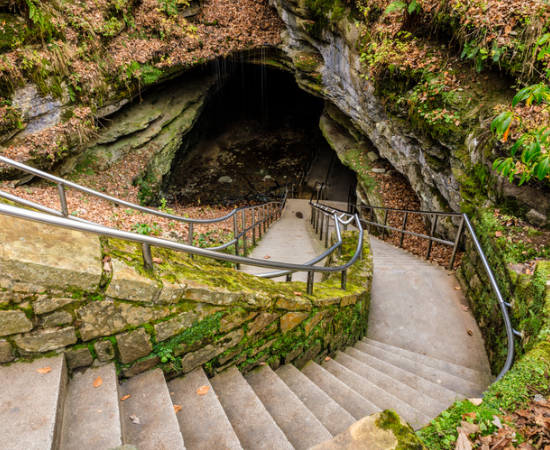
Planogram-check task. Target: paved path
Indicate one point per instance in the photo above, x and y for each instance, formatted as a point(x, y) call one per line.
point(414, 304)
point(291, 240)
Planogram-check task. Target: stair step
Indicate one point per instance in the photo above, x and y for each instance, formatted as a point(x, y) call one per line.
point(445, 379)
point(32, 404)
point(413, 381)
point(334, 418)
point(380, 397)
point(472, 375)
point(253, 425)
point(86, 405)
point(298, 423)
point(150, 402)
point(203, 422)
point(416, 399)
point(353, 402)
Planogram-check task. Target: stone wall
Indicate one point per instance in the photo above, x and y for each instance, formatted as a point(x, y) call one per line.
point(65, 291)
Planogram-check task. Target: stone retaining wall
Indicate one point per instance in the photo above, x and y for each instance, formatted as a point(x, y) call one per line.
point(65, 291)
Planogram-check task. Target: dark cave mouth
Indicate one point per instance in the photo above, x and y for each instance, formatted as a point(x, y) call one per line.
point(254, 137)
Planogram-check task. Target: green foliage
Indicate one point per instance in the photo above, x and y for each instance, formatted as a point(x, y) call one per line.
point(533, 144)
point(170, 7)
point(144, 228)
point(412, 7)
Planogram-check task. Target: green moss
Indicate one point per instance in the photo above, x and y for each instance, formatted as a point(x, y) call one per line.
point(406, 439)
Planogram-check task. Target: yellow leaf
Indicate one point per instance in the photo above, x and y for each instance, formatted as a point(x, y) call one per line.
point(505, 135)
point(97, 382)
point(126, 397)
point(203, 390)
point(177, 408)
point(44, 370)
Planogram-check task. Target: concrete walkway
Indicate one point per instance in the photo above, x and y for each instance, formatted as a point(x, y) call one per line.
point(415, 305)
point(291, 240)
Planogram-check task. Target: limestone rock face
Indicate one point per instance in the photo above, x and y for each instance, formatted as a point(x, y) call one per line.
point(47, 255)
point(342, 84)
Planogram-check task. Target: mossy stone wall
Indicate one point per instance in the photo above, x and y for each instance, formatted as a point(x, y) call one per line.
point(186, 313)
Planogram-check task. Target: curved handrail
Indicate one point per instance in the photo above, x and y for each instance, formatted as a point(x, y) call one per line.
point(274, 210)
point(464, 223)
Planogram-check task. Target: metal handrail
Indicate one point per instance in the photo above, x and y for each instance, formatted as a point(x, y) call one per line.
point(267, 214)
point(264, 219)
point(464, 224)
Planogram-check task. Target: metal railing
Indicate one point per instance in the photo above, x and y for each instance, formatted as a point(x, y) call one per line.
point(266, 215)
point(464, 226)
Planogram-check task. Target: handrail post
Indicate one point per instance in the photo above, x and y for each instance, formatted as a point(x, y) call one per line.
point(385, 223)
point(310, 283)
point(236, 236)
point(432, 232)
point(321, 227)
point(403, 229)
point(63, 200)
point(289, 277)
point(457, 243)
point(243, 217)
point(344, 279)
point(190, 237)
point(253, 226)
point(147, 257)
point(326, 232)
point(371, 215)
point(264, 218)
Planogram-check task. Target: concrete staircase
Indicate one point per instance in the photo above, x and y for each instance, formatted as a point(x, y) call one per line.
point(264, 409)
point(418, 359)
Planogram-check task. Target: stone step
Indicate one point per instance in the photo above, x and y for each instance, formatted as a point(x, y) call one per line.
point(425, 387)
point(203, 422)
point(381, 398)
point(253, 425)
point(472, 375)
point(92, 415)
point(334, 418)
point(426, 405)
point(298, 423)
point(445, 379)
point(353, 402)
point(150, 403)
point(31, 404)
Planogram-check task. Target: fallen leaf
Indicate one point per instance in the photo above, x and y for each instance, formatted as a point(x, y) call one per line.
point(463, 443)
point(44, 370)
point(458, 288)
point(177, 408)
point(97, 382)
point(496, 422)
point(203, 390)
point(157, 260)
point(267, 257)
point(470, 332)
point(464, 308)
point(498, 233)
point(135, 419)
point(469, 428)
point(327, 358)
point(126, 397)
point(299, 294)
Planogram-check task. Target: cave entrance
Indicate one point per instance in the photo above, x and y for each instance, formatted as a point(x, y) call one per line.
point(258, 133)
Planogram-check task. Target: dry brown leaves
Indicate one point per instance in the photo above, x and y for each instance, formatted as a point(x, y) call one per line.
point(398, 193)
point(44, 370)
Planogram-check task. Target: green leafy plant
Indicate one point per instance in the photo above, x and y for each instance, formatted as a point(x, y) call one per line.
point(530, 155)
point(144, 228)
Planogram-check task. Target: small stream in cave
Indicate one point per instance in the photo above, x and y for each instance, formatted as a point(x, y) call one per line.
point(255, 136)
